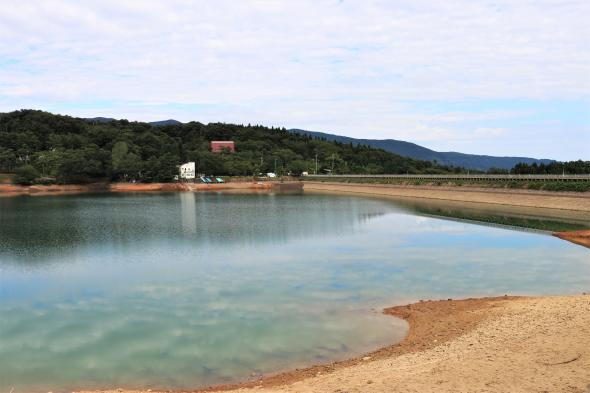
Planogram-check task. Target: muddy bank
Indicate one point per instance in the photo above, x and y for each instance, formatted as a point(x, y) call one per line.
point(66, 189)
point(498, 344)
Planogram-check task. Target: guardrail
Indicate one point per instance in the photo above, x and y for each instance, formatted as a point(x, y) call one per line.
point(464, 177)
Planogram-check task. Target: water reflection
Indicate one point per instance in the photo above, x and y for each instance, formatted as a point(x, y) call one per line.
point(188, 212)
point(40, 230)
point(184, 290)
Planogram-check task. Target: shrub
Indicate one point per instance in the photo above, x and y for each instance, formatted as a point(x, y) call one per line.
point(26, 174)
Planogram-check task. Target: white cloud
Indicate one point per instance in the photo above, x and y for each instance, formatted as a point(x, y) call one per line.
point(352, 67)
point(484, 132)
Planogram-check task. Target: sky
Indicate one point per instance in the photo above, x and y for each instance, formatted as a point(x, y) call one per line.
point(498, 77)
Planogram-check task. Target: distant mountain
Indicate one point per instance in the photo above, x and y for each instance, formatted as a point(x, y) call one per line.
point(407, 149)
point(169, 122)
point(100, 119)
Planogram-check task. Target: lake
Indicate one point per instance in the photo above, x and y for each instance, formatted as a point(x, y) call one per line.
point(183, 290)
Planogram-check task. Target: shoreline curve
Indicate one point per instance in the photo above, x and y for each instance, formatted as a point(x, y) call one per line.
point(506, 343)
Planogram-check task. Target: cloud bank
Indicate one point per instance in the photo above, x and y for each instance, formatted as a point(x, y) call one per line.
point(502, 77)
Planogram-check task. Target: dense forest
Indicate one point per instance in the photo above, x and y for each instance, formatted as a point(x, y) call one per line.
point(553, 168)
point(43, 147)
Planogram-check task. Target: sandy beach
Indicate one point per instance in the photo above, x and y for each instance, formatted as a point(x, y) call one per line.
point(506, 344)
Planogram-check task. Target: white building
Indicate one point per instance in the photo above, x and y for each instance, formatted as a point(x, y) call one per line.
point(187, 171)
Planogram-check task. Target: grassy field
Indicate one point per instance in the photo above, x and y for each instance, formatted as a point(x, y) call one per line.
point(575, 186)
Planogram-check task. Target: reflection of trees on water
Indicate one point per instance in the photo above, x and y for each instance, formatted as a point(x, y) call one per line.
point(363, 217)
point(272, 218)
point(37, 229)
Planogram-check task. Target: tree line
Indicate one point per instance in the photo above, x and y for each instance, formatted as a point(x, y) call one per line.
point(578, 167)
point(43, 147)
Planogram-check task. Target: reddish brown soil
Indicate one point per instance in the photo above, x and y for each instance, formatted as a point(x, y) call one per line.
point(64, 189)
point(579, 237)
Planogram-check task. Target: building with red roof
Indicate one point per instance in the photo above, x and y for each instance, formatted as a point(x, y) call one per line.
point(222, 146)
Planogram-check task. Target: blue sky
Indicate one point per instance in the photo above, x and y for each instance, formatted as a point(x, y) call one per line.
point(500, 78)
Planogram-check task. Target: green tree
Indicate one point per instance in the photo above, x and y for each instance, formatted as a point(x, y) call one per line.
point(26, 174)
point(77, 150)
point(118, 153)
point(7, 159)
point(297, 167)
point(129, 167)
point(82, 166)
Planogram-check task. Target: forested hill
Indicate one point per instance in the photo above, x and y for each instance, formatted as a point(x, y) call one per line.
point(47, 147)
point(407, 149)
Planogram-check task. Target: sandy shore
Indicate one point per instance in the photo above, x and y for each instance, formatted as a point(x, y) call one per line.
point(477, 345)
point(579, 202)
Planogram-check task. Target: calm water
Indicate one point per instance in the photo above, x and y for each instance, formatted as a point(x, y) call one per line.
point(181, 290)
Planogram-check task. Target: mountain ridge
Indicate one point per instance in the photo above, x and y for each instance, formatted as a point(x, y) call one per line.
point(100, 119)
point(412, 150)
point(407, 149)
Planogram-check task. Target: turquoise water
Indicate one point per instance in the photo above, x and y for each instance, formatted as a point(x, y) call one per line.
point(184, 290)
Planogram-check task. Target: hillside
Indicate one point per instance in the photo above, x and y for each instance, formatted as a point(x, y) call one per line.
point(40, 145)
point(407, 149)
point(169, 122)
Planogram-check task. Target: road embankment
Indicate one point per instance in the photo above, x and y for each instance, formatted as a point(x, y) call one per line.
point(567, 201)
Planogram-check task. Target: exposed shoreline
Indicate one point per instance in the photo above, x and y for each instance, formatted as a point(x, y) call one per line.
point(579, 202)
point(8, 190)
point(578, 237)
point(493, 344)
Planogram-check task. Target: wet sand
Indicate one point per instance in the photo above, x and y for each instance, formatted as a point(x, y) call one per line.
point(516, 344)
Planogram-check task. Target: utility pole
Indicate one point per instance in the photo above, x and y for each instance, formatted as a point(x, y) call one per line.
point(275, 165)
point(332, 171)
point(316, 165)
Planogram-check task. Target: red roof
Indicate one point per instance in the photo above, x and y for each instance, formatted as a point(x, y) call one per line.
point(220, 146)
